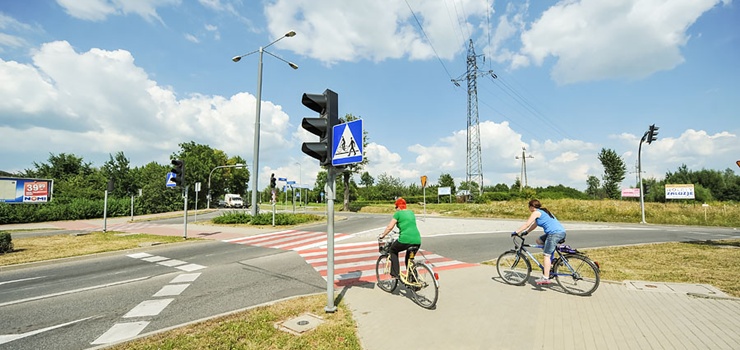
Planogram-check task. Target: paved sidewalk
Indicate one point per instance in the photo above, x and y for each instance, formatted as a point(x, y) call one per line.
point(476, 311)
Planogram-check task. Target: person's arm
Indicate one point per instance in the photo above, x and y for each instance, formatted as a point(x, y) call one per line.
point(388, 228)
point(530, 225)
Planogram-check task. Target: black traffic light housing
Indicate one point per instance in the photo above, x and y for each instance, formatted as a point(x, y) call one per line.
point(178, 168)
point(652, 134)
point(273, 181)
point(326, 105)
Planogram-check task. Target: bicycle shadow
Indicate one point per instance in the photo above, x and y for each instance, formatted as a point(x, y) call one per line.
point(532, 283)
point(369, 282)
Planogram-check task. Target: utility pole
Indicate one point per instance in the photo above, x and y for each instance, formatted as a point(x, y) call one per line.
point(523, 174)
point(474, 164)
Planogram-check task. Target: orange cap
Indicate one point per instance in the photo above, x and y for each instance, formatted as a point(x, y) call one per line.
point(400, 203)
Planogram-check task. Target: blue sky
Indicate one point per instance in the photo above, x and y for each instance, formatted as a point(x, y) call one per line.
point(95, 77)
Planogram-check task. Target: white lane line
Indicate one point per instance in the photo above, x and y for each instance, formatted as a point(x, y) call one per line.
point(172, 263)
point(171, 290)
point(121, 331)
point(139, 255)
point(21, 280)
point(185, 277)
point(7, 338)
point(72, 291)
point(191, 267)
point(155, 259)
point(148, 308)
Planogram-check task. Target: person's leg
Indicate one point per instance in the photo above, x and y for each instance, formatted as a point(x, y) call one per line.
point(549, 249)
point(395, 248)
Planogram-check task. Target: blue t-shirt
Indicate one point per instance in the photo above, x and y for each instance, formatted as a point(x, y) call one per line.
point(548, 224)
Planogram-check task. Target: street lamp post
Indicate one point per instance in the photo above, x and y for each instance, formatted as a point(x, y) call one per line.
point(300, 183)
point(209, 179)
point(255, 161)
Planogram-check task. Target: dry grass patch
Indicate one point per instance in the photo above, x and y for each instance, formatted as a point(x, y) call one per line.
point(254, 329)
point(34, 249)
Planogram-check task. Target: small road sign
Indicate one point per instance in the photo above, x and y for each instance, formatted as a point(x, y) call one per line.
point(170, 182)
point(346, 148)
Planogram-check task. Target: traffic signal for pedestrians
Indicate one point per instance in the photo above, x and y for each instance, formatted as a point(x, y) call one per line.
point(652, 134)
point(273, 181)
point(326, 105)
point(178, 168)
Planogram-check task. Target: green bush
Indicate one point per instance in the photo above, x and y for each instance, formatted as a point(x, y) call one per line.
point(281, 219)
point(6, 242)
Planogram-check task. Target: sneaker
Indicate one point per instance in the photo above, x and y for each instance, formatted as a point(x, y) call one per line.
point(543, 280)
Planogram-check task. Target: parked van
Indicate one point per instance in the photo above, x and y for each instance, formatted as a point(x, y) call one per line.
point(233, 201)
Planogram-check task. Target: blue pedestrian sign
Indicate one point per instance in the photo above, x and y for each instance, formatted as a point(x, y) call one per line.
point(170, 182)
point(346, 148)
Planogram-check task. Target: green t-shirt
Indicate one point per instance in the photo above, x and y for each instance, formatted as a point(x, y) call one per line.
point(406, 222)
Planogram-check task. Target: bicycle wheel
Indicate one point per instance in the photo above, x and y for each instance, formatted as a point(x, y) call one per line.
point(383, 274)
point(577, 274)
point(425, 295)
point(513, 268)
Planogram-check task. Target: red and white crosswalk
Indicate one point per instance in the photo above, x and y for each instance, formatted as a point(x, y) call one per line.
point(353, 262)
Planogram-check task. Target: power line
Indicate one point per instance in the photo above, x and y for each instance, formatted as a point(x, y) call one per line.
point(427, 38)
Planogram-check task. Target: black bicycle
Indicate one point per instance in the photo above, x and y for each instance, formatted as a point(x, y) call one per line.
point(575, 272)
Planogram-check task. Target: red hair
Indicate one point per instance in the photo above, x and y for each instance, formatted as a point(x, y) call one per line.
point(400, 203)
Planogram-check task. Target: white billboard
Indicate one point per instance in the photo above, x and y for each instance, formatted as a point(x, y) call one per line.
point(444, 191)
point(679, 191)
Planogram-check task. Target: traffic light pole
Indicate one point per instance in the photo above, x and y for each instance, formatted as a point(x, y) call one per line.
point(639, 175)
point(330, 189)
point(185, 216)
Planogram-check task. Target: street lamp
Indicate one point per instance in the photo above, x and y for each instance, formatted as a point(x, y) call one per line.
point(209, 179)
point(255, 161)
point(300, 181)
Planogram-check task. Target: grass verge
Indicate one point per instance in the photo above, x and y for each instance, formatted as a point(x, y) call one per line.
point(33, 249)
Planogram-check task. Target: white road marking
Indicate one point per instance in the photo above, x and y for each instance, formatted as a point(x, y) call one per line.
point(21, 280)
point(7, 338)
point(185, 277)
point(121, 331)
point(155, 259)
point(191, 267)
point(170, 290)
point(73, 291)
point(172, 263)
point(139, 255)
point(148, 308)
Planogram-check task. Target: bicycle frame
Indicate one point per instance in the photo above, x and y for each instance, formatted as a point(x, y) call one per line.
point(522, 249)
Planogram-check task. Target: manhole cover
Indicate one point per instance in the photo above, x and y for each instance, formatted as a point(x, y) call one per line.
point(300, 324)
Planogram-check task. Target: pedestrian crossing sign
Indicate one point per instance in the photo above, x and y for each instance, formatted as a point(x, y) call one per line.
point(347, 143)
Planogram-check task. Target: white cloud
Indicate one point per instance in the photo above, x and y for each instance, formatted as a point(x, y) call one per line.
point(595, 40)
point(191, 38)
point(371, 30)
point(99, 10)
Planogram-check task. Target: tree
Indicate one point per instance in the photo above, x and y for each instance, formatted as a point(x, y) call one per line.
point(389, 187)
point(354, 168)
point(614, 171)
point(366, 180)
point(118, 170)
point(446, 180)
point(593, 184)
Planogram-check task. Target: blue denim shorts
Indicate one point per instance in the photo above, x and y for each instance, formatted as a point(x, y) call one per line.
point(551, 241)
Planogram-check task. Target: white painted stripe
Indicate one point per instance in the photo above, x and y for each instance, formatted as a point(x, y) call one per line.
point(366, 262)
point(266, 236)
point(148, 308)
point(7, 338)
point(373, 254)
point(185, 277)
point(21, 280)
point(170, 290)
point(121, 331)
point(139, 255)
point(72, 291)
point(323, 243)
point(190, 267)
point(356, 248)
point(171, 263)
point(155, 259)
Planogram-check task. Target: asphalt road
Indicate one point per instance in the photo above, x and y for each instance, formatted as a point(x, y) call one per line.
point(78, 303)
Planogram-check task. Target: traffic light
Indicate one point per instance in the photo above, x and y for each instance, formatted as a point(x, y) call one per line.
point(326, 105)
point(652, 133)
point(273, 181)
point(178, 168)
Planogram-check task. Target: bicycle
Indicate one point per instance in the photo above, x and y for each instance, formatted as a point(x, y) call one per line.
point(419, 277)
point(575, 272)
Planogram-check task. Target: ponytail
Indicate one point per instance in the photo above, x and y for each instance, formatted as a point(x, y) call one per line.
point(537, 205)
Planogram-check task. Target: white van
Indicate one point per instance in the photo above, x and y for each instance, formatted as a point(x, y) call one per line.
point(233, 201)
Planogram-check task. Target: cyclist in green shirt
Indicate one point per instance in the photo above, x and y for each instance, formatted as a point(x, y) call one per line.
point(408, 236)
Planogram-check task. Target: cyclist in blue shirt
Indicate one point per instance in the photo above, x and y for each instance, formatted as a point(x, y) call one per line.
point(554, 232)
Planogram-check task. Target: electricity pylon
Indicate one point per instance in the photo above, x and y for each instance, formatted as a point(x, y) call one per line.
point(523, 175)
point(474, 165)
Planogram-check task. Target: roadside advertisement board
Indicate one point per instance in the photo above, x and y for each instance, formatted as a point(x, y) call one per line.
point(24, 191)
point(631, 192)
point(442, 191)
point(679, 191)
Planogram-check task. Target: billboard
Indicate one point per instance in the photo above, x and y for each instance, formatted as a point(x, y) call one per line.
point(19, 191)
point(674, 191)
point(631, 192)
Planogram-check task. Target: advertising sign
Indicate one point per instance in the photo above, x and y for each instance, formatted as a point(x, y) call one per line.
point(442, 191)
point(631, 192)
point(19, 190)
point(673, 191)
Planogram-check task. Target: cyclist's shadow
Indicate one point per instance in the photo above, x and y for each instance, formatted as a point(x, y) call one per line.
point(531, 282)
